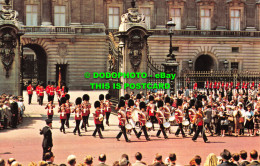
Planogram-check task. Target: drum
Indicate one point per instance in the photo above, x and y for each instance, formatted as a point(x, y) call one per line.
point(128, 128)
point(148, 125)
point(166, 125)
point(185, 123)
point(131, 121)
point(171, 120)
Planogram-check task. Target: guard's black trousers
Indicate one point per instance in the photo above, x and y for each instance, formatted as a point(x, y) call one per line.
point(200, 130)
point(122, 131)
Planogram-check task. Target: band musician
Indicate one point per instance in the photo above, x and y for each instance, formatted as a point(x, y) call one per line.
point(49, 108)
point(160, 119)
point(179, 118)
point(142, 120)
point(98, 119)
point(192, 113)
point(122, 120)
point(151, 108)
point(63, 116)
point(85, 112)
point(77, 111)
point(129, 115)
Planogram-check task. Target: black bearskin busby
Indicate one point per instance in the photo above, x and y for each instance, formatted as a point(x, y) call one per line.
point(131, 103)
point(192, 102)
point(142, 105)
point(179, 102)
point(78, 101)
point(138, 96)
point(198, 104)
point(85, 97)
point(29, 82)
point(167, 99)
point(97, 104)
point(160, 104)
point(67, 96)
point(127, 96)
point(122, 98)
point(101, 97)
point(121, 103)
point(151, 98)
point(63, 100)
point(108, 96)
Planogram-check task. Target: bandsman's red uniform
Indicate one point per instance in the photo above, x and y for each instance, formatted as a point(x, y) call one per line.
point(231, 84)
point(210, 85)
point(222, 85)
point(77, 111)
point(215, 85)
point(252, 85)
point(47, 89)
point(238, 85)
point(98, 122)
point(49, 108)
point(38, 89)
point(195, 86)
point(178, 116)
point(218, 86)
point(63, 117)
point(29, 90)
point(96, 118)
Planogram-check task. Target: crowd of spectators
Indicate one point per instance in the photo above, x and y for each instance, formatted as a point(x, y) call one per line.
point(225, 159)
point(11, 111)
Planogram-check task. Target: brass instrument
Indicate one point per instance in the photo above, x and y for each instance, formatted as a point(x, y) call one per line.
point(100, 117)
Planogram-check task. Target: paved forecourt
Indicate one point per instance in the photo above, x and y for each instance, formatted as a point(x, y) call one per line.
point(24, 143)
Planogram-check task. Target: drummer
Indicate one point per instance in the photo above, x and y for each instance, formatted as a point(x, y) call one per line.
point(142, 119)
point(151, 108)
point(192, 113)
point(179, 118)
point(129, 115)
point(160, 119)
point(167, 108)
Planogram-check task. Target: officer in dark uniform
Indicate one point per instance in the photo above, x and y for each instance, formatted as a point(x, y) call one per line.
point(47, 139)
point(14, 111)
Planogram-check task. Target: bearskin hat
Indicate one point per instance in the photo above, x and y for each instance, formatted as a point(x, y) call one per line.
point(29, 82)
point(142, 105)
point(179, 102)
point(198, 104)
point(78, 101)
point(101, 97)
point(138, 96)
point(85, 97)
point(52, 83)
point(121, 103)
point(122, 98)
point(97, 104)
point(131, 103)
point(151, 98)
point(63, 100)
point(66, 89)
point(160, 104)
point(167, 99)
point(127, 96)
point(192, 102)
point(67, 96)
point(108, 96)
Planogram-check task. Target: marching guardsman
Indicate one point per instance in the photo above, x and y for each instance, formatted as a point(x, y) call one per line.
point(49, 108)
point(200, 124)
point(102, 109)
point(195, 86)
point(160, 119)
point(108, 105)
point(237, 85)
point(218, 85)
point(98, 119)
point(85, 112)
point(37, 89)
point(179, 118)
point(151, 108)
point(142, 120)
point(63, 116)
point(231, 85)
point(77, 110)
point(192, 113)
point(122, 120)
point(252, 85)
point(167, 108)
point(129, 115)
point(30, 91)
point(47, 90)
point(137, 101)
point(52, 89)
point(41, 94)
point(68, 111)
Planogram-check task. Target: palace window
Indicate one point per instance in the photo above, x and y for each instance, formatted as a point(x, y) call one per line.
point(147, 13)
point(175, 14)
point(234, 65)
point(31, 15)
point(235, 15)
point(113, 17)
point(59, 16)
point(205, 19)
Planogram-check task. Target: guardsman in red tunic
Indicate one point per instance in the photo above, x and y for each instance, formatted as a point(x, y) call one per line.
point(47, 90)
point(218, 86)
point(102, 109)
point(127, 97)
point(167, 108)
point(179, 118)
point(151, 108)
point(195, 86)
point(238, 85)
point(122, 120)
point(30, 92)
point(107, 105)
point(129, 115)
point(226, 87)
point(215, 86)
point(49, 108)
point(52, 91)
point(210, 85)
point(98, 119)
point(41, 94)
point(37, 89)
point(200, 124)
point(63, 116)
point(231, 85)
point(77, 111)
point(142, 120)
point(223, 85)
point(68, 111)
point(160, 119)
point(192, 113)
point(85, 111)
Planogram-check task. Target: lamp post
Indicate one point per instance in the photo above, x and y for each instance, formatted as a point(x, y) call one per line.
point(121, 45)
point(190, 64)
point(170, 66)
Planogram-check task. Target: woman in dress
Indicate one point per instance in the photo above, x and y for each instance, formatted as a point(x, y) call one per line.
point(256, 120)
point(249, 120)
